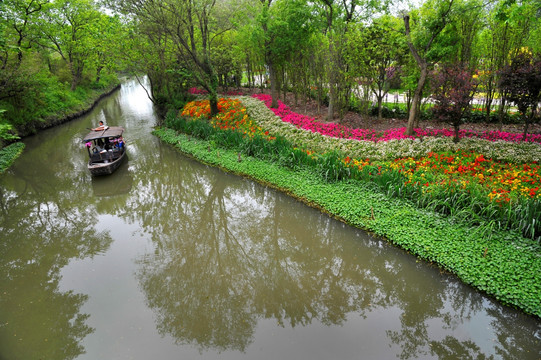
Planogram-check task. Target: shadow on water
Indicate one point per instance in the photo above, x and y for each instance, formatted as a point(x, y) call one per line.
point(188, 261)
point(233, 253)
point(118, 184)
point(44, 224)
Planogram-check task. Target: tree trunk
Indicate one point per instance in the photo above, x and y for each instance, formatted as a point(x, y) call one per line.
point(274, 90)
point(457, 129)
point(489, 99)
point(380, 108)
point(501, 112)
point(212, 87)
point(98, 73)
point(527, 120)
point(416, 101)
point(330, 108)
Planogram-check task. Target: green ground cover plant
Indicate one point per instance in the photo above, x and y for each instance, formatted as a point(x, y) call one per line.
point(49, 101)
point(8, 155)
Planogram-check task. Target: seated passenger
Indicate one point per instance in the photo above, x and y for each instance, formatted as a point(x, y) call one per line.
point(100, 127)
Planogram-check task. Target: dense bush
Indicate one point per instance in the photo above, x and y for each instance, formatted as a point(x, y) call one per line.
point(47, 99)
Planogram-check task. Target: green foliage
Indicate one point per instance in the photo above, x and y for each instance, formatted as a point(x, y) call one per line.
point(9, 154)
point(56, 59)
point(49, 100)
point(6, 131)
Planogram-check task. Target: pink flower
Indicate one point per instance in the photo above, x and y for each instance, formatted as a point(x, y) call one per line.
point(344, 132)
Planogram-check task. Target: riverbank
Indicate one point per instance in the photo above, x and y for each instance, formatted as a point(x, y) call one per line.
point(500, 263)
point(68, 114)
point(493, 259)
point(11, 152)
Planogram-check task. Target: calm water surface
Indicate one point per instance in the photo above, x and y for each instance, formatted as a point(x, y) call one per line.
point(171, 259)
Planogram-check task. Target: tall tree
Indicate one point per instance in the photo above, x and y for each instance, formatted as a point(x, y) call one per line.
point(20, 16)
point(17, 36)
point(339, 16)
point(521, 81)
point(189, 27)
point(375, 52)
point(509, 26)
point(65, 30)
point(108, 43)
point(284, 26)
point(425, 45)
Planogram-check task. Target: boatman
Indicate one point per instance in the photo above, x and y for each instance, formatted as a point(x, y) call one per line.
point(100, 127)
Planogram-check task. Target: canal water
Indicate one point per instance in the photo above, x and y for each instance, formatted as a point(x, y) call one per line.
point(171, 259)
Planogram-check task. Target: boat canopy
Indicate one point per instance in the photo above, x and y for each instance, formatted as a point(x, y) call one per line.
point(111, 131)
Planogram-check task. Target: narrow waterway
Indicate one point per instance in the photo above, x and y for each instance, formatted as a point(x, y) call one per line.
point(171, 259)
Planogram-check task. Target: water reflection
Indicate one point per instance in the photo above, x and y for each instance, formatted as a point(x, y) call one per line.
point(229, 253)
point(111, 186)
point(41, 233)
point(45, 223)
point(221, 262)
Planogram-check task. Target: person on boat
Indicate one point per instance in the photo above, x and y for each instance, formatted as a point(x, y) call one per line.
point(100, 127)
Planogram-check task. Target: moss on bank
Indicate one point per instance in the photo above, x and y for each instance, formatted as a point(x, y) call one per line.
point(502, 264)
point(9, 154)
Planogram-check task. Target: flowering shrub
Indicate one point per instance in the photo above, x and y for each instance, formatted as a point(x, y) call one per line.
point(343, 132)
point(232, 116)
point(196, 91)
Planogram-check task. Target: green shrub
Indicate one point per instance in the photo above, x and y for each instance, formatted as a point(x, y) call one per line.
point(9, 154)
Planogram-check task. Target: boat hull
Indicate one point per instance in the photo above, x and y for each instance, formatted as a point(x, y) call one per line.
point(102, 168)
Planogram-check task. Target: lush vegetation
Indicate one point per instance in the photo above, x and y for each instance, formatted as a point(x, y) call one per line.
point(8, 154)
point(469, 230)
point(57, 56)
point(347, 55)
point(56, 59)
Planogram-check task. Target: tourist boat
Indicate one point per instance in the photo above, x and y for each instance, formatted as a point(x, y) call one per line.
point(106, 150)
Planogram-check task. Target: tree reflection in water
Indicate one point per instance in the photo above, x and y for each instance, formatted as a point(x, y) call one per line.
point(44, 224)
point(229, 252)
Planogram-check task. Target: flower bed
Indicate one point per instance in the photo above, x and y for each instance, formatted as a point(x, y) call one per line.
point(488, 189)
point(343, 132)
point(495, 180)
point(232, 116)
